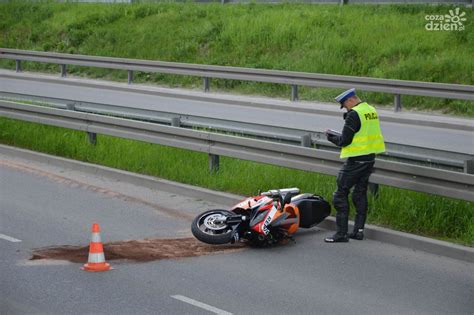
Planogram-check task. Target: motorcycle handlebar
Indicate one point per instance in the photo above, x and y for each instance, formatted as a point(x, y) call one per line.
point(275, 195)
point(278, 194)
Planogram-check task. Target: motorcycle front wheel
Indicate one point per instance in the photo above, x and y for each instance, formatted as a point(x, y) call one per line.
point(210, 227)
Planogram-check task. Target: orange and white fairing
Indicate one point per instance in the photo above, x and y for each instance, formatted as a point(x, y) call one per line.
point(252, 201)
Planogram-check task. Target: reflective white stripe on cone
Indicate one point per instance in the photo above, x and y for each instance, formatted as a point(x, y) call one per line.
point(95, 238)
point(96, 258)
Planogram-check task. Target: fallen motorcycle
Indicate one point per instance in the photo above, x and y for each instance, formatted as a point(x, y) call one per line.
point(262, 220)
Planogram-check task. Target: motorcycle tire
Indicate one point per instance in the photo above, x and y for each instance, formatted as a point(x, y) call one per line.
point(204, 229)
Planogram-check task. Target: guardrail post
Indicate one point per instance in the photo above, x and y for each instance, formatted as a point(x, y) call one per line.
point(397, 102)
point(18, 65)
point(206, 84)
point(213, 163)
point(71, 106)
point(294, 93)
point(130, 76)
point(63, 71)
point(306, 140)
point(374, 189)
point(175, 122)
point(92, 136)
point(469, 166)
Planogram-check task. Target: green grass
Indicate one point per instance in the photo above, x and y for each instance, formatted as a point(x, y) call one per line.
point(383, 41)
point(403, 210)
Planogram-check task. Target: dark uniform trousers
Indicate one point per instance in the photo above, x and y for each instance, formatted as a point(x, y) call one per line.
point(352, 174)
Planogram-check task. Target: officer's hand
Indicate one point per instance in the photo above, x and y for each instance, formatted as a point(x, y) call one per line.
point(332, 138)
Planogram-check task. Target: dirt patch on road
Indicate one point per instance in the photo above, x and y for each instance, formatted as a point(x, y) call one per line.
point(137, 250)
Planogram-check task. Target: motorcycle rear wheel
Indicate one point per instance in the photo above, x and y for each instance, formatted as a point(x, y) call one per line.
point(208, 227)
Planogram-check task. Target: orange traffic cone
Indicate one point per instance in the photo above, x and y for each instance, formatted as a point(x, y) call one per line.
point(96, 261)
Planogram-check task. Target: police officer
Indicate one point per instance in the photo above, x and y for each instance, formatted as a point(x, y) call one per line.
point(360, 140)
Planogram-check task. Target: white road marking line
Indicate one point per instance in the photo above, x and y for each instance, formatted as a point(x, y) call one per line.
point(201, 305)
point(9, 238)
point(42, 262)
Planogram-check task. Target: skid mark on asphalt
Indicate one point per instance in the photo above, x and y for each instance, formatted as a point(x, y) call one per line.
point(137, 250)
point(96, 189)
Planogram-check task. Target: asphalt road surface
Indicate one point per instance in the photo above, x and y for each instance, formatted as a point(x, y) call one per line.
point(42, 205)
point(423, 136)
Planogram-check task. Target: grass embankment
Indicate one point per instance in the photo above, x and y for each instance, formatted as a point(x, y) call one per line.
point(386, 41)
point(403, 210)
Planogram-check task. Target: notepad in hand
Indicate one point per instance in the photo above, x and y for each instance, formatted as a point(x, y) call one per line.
point(333, 132)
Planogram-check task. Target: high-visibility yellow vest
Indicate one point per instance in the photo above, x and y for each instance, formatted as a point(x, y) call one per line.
point(369, 138)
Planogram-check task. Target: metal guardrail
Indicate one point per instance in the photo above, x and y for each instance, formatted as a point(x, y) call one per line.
point(396, 151)
point(462, 2)
point(295, 79)
point(346, 2)
point(417, 178)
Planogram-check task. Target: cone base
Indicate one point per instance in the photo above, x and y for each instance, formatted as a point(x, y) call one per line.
point(96, 267)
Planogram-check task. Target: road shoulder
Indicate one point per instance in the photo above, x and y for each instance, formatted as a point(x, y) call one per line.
point(373, 232)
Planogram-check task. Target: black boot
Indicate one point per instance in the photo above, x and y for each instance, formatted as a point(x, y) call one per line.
point(341, 234)
point(337, 238)
point(358, 232)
